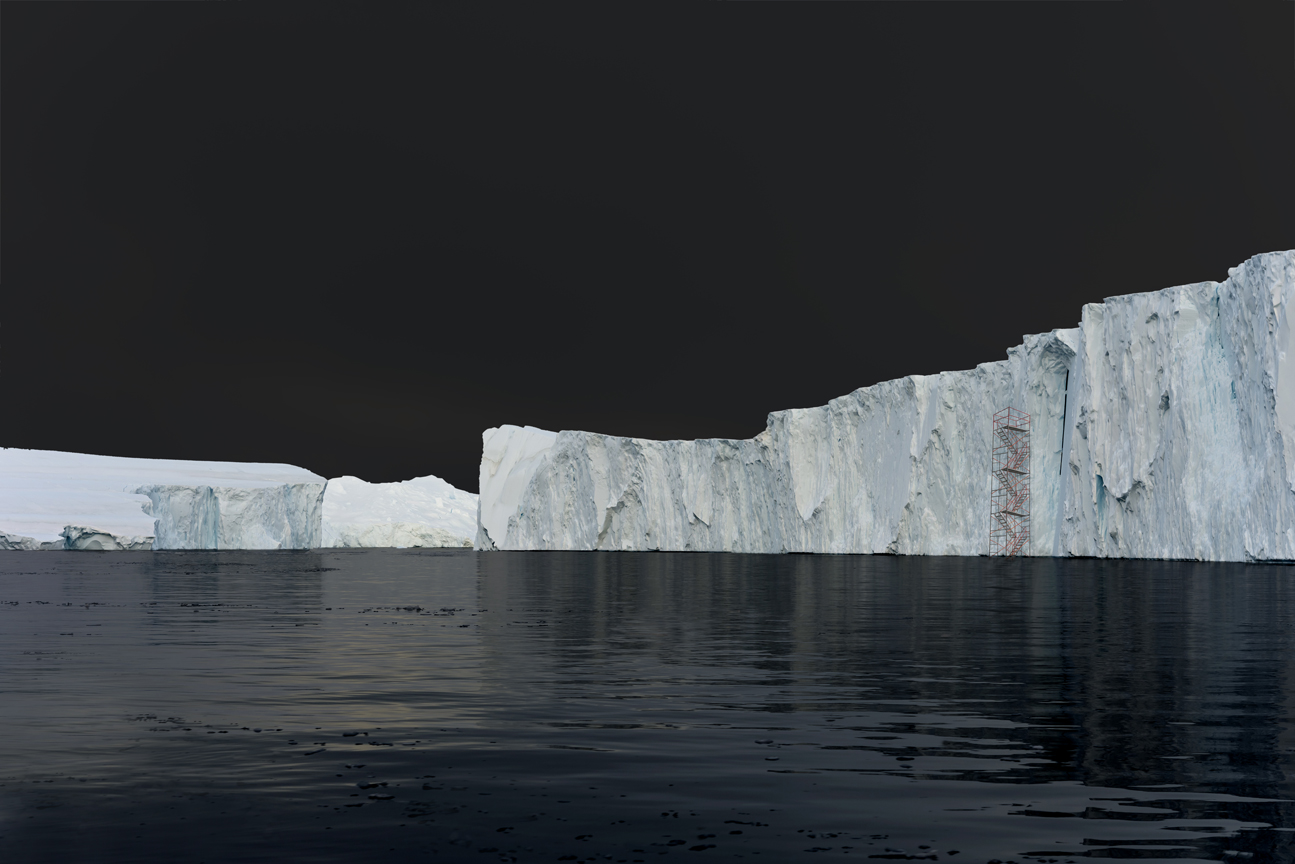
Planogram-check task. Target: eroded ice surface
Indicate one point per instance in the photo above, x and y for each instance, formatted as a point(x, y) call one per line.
point(1163, 427)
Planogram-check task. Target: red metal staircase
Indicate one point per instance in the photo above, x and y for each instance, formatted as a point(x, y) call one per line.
point(1009, 526)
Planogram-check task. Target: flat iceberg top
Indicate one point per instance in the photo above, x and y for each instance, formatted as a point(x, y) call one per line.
point(42, 491)
point(49, 465)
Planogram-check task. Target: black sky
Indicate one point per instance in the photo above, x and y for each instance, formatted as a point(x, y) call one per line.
point(353, 237)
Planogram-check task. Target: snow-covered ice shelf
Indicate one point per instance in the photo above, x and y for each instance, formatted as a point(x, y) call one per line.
point(1163, 427)
point(56, 500)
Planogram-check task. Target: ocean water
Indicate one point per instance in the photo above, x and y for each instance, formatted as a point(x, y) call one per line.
point(447, 705)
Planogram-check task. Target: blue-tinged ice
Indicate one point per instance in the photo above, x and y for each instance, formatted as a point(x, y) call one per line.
point(1163, 427)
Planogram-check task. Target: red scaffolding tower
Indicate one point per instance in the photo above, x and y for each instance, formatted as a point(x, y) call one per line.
point(1009, 522)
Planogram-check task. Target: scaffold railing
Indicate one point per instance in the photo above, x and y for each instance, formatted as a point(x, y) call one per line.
point(1009, 522)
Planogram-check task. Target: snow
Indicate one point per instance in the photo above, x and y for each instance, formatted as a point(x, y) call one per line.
point(55, 500)
point(1163, 427)
point(425, 511)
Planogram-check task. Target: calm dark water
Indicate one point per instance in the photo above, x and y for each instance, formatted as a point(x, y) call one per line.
point(454, 706)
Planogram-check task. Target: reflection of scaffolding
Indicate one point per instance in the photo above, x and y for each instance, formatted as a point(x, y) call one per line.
point(1009, 521)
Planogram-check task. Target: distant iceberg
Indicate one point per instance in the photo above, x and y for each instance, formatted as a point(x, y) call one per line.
point(425, 511)
point(1163, 427)
point(53, 500)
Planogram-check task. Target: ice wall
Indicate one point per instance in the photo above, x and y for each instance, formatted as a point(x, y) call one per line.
point(284, 516)
point(56, 500)
point(1183, 444)
point(509, 459)
point(425, 511)
point(1163, 427)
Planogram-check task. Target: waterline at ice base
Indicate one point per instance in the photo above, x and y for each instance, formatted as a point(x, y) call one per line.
point(1163, 426)
point(51, 500)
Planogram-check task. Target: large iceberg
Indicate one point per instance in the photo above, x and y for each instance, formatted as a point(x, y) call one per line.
point(1163, 427)
point(56, 500)
point(425, 511)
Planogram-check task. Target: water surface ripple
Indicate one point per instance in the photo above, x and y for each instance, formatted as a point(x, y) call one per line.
point(446, 705)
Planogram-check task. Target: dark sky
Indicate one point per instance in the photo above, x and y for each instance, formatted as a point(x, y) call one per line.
point(351, 238)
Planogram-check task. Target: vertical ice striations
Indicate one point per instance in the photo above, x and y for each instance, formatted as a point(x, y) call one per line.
point(1183, 439)
point(284, 516)
point(55, 500)
point(61, 501)
point(509, 458)
point(896, 467)
point(1163, 427)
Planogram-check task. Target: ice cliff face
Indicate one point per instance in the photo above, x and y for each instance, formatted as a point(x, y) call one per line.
point(55, 500)
point(52, 500)
point(285, 516)
point(1183, 438)
point(1163, 427)
point(425, 511)
point(509, 459)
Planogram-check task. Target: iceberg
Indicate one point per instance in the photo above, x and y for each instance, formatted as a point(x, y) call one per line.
point(425, 511)
point(50, 500)
point(55, 500)
point(1163, 426)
